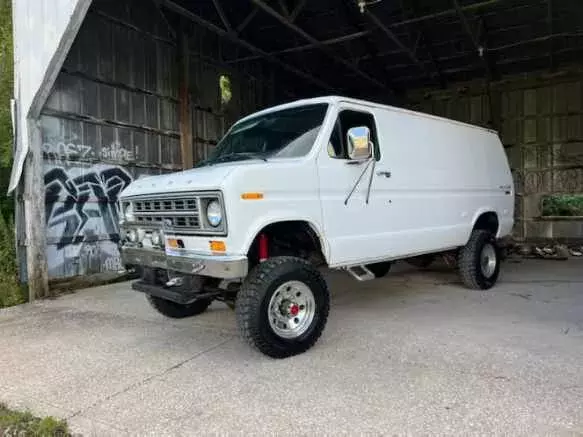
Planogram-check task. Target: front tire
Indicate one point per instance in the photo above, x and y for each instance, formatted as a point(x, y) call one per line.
point(479, 261)
point(283, 306)
point(172, 309)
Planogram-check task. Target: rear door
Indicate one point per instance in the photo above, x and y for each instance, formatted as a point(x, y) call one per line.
point(356, 224)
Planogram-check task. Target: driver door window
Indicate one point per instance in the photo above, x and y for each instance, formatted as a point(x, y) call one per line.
point(348, 119)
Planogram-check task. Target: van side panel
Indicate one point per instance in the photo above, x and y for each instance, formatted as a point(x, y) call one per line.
point(443, 175)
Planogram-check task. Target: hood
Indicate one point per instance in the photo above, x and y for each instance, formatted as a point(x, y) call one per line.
point(196, 179)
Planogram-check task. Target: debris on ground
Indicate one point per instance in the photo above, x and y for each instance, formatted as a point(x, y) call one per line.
point(547, 251)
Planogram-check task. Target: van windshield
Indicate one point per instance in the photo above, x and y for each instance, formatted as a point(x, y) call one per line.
point(288, 133)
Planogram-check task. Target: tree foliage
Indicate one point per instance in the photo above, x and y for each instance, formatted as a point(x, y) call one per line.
point(11, 292)
point(6, 93)
point(564, 205)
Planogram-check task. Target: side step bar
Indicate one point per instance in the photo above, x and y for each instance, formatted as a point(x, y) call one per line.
point(361, 273)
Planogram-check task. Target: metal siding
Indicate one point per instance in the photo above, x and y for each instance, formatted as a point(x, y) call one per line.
point(251, 90)
point(111, 118)
point(542, 130)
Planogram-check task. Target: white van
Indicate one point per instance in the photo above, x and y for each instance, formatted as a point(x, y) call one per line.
point(325, 182)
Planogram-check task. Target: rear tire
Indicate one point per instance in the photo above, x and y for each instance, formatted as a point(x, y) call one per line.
point(282, 306)
point(379, 269)
point(178, 311)
point(479, 260)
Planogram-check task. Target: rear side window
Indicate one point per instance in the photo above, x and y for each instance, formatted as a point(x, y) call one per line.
point(346, 120)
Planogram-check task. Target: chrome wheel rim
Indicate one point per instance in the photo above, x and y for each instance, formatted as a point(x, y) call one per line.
point(488, 260)
point(291, 309)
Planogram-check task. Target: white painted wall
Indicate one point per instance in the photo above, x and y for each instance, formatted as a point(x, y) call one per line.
point(43, 33)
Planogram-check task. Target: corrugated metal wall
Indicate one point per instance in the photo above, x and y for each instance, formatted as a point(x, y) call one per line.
point(252, 87)
point(113, 116)
point(540, 119)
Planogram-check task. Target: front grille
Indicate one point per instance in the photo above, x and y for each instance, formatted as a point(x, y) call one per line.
point(166, 205)
point(181, 214)
point(172, 221)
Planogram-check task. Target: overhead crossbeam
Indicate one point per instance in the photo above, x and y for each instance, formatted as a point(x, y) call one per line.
point(286, 22)
point(170, 5)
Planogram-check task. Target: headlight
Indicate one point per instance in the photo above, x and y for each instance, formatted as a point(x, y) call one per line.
point(133, 236)
point(128, 212)
point(156, 238)
point(214, 214)
point(136, 235)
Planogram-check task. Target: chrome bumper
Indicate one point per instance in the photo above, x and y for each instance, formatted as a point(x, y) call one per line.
point(215, 266)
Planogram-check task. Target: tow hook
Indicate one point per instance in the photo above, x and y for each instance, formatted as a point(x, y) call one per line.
point(174, 282)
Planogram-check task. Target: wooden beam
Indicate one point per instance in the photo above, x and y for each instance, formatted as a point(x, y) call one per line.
point(551, 31)
point(222, 15)
point(247, 20)
point(185, 118)
point(446, 13)
point(237, 40)
point(284, 8)
point(480, 50)
point(428, 46)
point(34, 212)
point(301, 48)
point(389, 33)
point(299, 7)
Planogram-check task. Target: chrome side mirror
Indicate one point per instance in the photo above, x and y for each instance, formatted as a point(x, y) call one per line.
point(358, 143)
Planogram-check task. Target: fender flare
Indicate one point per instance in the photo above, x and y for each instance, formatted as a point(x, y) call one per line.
point(480, 212)
point(260, 225)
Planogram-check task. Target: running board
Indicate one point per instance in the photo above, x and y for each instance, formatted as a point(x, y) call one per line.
point(361, 273)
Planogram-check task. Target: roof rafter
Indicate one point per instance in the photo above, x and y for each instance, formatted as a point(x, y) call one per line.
point(390, 34)
point(480, 50)
point(283, 20)
point(176, 8)
point(222, 15)
point(247, 20)
point(301, 48)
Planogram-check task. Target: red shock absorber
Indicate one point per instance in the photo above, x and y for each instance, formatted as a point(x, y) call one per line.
point(263, 248)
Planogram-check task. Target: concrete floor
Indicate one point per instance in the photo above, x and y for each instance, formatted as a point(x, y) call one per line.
point(413, 354)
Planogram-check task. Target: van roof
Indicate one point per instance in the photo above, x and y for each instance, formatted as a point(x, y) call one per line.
point(337, 99)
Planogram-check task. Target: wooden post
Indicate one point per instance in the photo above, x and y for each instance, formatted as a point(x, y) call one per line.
point(186, 145)
point(34, 212)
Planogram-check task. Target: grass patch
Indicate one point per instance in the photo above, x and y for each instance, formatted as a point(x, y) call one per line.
point(11, 291)
point(563, 205)
point(24, 424)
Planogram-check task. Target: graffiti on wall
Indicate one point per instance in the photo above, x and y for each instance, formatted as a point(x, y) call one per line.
point(61, 151)
point(73, 201)
point(82, 217)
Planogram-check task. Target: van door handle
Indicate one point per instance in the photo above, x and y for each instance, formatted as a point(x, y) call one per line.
point(386, 174)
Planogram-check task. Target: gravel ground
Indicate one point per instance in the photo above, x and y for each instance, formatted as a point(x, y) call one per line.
point(412, 354)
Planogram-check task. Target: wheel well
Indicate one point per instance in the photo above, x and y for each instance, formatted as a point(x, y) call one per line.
point(289, 238)
point(487, 221)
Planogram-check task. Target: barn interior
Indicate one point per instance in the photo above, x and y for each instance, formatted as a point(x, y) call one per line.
point(149, 87)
